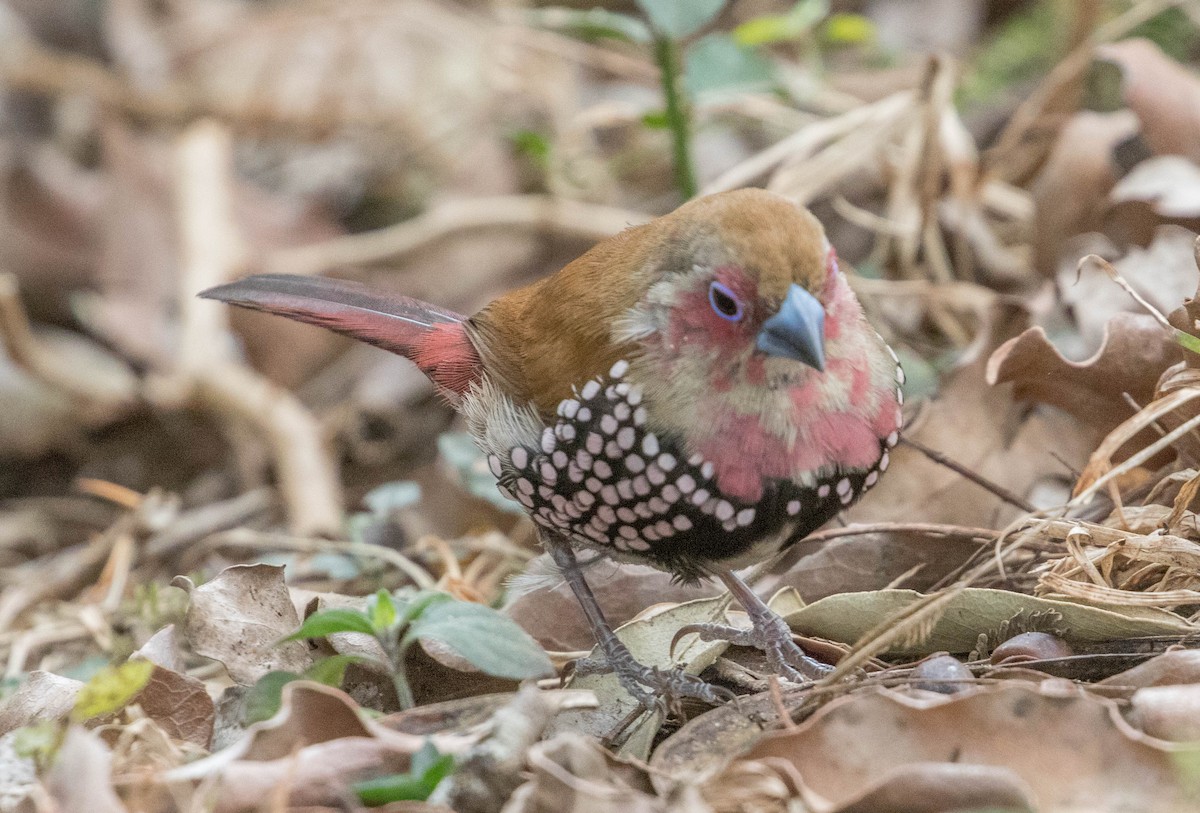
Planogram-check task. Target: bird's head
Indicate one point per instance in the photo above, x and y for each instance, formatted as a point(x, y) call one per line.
point(745, 286)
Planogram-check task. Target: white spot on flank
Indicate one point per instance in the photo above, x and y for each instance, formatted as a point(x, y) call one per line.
point(883, 462)
point(613, 449)
point(872, 479)
point(655, 475)
point(670, 493)
point(650, 444)
point(706, 471)
point(548, 440)
point(745, 516)
point(625, 489)
point(584, 415)
point(658, 505)
point(548, 473)
point(724, 510)
point(682, 523)
point(899, 374)
point(823, 491)
point(594, 443)
point(793, 508)
point(585, 499)
point(619, 369)
point(524, 486)
point(590, 390)
point(519, 457)
point(639, 416)
point(626, 515)
point(568, 408)
point(602, 470)
point(608, 424)
point(627, 532)
point(700, 496)
point(635, 463)
point(622, 412)
point(593, 485)
point(666, 461)
point(626, 437)
point(566, 431)
point(843, 487)
point(606, 514)
point(635, 396)
point(686, 483)
point(560, 459)
point(893, 439)
point(651, 534)
point(609, 495)
point(641, 486)
point(494, 465)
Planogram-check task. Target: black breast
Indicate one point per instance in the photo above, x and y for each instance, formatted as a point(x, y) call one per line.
point(602, 479)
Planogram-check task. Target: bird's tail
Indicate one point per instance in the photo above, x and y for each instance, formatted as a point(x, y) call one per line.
point(432, 337)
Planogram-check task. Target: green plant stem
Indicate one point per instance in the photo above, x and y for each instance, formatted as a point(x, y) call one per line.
point(666, 54)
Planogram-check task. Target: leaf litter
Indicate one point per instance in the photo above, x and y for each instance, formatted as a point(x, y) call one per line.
point(174, 494)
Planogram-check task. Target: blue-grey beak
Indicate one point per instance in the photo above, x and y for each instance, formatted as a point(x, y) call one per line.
point(797, 331)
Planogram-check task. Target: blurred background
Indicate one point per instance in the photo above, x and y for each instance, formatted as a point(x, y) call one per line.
point(964, 156)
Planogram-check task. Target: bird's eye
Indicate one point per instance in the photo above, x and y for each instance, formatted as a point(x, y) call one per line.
point(724, 302)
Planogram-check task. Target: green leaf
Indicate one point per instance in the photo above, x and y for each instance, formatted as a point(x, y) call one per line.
point(428, 769)
point(265, 696)
point(331, 670)
point(592, 24)
point(680, 18)
point(847, 616)
point(717, 63)
point(111, 689)
point(1187, 341)
point(382, 611)
point(771, 28)
point(848, 29)
point(488, 640)
point(327, 622)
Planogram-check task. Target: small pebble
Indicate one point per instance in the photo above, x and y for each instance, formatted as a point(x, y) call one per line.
point(1031, 646)
point(941, 673)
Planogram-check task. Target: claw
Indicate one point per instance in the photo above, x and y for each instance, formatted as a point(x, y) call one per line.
point(772, 636)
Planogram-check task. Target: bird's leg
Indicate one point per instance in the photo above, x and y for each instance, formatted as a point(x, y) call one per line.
point(653, 688)
point(768, 632)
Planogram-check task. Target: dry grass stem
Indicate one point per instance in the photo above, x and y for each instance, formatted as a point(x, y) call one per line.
point(540, 212)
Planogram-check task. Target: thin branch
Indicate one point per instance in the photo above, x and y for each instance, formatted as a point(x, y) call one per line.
point(541, 212)
point(976, 478)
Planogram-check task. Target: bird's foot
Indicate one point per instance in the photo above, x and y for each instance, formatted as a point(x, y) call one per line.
point(771, 634)
point(654, 689)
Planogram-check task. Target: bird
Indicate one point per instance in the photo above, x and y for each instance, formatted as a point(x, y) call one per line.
point(696, 393)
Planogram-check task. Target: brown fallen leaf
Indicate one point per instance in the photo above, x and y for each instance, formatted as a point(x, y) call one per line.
point(572, 774)
point(1133, 354)
point(1071, 189)
point(1167, 669)
point(238, 619)
point(1068, 750)
point(1164, 94)
point(180, 704)
point(314, 748)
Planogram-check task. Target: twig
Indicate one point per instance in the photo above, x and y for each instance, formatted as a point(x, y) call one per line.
point(205, 520)
point(978, 479)
point(574, 218)
point(212, 254)
point(100, 401)
point(246, 538)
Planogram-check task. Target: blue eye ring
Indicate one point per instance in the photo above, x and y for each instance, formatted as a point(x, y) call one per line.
point(724, 302)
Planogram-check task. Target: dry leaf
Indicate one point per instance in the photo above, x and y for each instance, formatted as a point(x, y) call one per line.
point(1069, 751)
point(238, 619)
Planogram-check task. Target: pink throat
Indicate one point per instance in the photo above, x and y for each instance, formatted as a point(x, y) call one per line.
point(840, 416)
